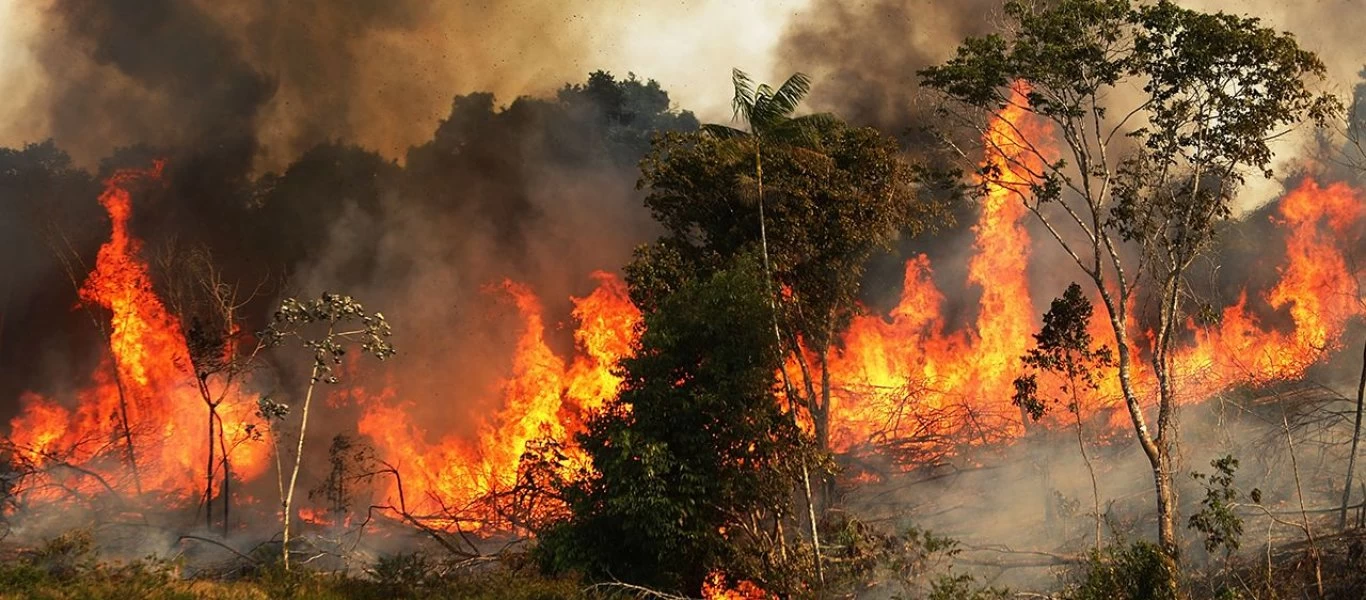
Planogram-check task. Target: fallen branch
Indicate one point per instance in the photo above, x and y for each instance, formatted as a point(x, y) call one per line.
point(220, 545)
point(637, 591)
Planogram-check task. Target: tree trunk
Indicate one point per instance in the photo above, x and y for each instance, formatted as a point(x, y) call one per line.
point(298, 460)
point(1155, 447)
point(227, 474)
point(777, 333)
point(1091, 469)
point(208, 477)
point(123, 420)
point(1356, 439)
point(1166, 505)
point(821, 419)
point(1081, 447)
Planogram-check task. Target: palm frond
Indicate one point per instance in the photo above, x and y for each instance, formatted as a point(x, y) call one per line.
point(804, 130)
point(791, 93)
point(723, 132)
point(743, 102)
point(773, 107)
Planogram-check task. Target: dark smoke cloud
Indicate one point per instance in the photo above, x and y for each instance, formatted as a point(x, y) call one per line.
point(290, 75)
point(159, 71)
point(864, 56)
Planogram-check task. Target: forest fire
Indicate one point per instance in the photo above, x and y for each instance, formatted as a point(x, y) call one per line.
point(544, 398)
point(904, 378)
point(893, 299)
point(907, 377)
point(141, 408)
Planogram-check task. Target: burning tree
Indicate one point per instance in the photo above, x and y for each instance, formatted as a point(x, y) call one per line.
point(1140, 188)
point(325, 327)
point(219, 354)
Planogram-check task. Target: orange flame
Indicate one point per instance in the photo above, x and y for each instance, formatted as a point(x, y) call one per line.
point(903, 379)
point(150, 376)
point(909, 379)
point(542, 398)
point(715, 588)
point(1316, 288)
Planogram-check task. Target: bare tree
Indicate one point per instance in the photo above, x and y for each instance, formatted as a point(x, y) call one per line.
point(207, 308)
point(325, 327)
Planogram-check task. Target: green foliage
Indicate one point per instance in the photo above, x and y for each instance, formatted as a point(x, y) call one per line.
point(67, 567)
point(340, 319)
point(694, 446)
point(1134, 192)
point(909, 565)
point(1063, 347)
point(767, 114)
point(1217, 88)
point(1125, 572)
point(629, 110)
point(403, 573)
point(1217, 519)
point(829, 205)
point(155, 580)
point(963, 587)
point(66, 555)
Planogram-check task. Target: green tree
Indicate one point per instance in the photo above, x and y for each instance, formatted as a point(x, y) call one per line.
point(695, 455)
point(1064, 348)
point(814, 196)
point(1160, 111)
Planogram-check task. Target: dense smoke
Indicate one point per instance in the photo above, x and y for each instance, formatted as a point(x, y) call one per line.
point(376, 73)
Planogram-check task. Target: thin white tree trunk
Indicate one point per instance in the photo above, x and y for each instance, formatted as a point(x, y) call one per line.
point(298, 460)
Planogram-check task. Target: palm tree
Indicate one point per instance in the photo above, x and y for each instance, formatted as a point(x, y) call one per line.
point(767, 115)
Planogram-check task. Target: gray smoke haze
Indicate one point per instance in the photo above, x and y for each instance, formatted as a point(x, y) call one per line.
point(292, 75)
point(98, 75)
point(864, 56)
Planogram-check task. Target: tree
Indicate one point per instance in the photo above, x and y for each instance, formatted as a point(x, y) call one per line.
point(324, 327)
point(1141, 186)
point(813, 196)
point(695, 456)
point(1064, 347)
point(207, 308)
point(830, 194)
point(1353, 156)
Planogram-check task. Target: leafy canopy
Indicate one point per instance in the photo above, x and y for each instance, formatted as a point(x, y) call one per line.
point(695, 444)
point(1216, 91)
point(1063, 346)
point(826, 211)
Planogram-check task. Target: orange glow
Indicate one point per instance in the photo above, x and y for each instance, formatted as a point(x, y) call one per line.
point(542, 398)
point(715, 588)
point(1316, 289)
point(150, 372)
point(905, 379)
